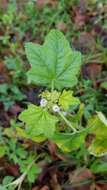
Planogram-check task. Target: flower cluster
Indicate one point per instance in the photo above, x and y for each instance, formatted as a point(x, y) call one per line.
point(55, 107)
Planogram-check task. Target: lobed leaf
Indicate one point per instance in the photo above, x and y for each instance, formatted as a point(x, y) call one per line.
point(23, 134)
point(70, 141)
point(54, 62)
point(38, 121)
point(98, 127)
point(67, 99)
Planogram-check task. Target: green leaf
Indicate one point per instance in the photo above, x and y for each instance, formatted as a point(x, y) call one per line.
point(2, 187)
point(53, 62)
point(9, 132)
point(69, 141)
point(7, 180)
point(22, 133)
point(38, 121)
point(99, 167)
point(4, 88)
point(2, 150)
point(98, 127)
point(21, 152)
point(102, 118)
point(67, 99)
point(33, 173)
point(104, 85)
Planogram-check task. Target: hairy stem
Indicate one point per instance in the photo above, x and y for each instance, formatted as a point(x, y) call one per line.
point(67, 121)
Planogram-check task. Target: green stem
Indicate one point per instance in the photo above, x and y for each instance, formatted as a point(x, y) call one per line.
point(67, 122)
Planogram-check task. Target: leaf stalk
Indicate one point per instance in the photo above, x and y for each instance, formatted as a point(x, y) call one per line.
point(67, 122)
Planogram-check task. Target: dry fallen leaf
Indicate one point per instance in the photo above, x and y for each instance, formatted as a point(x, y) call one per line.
point(41, 3)
point(62, 26)
point(80, 175)
point(4, 75)
point(44, 188)
point(92, 71)
point(79, 18)
point(85, 43)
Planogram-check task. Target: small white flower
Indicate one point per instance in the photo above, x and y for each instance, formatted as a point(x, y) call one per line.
point(43, 102)
point(56, 108)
